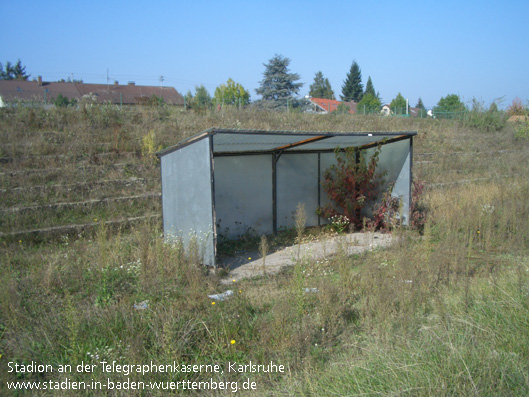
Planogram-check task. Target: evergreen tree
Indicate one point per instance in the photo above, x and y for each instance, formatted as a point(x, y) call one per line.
point(278, 85)
point(13, 72)
point(19, 71)
point(420, 105)
point(370, 89)
point(352, 89)
point(321, 87)
point(3, 73)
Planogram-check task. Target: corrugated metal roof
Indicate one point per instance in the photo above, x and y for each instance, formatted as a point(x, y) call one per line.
point(226, 141)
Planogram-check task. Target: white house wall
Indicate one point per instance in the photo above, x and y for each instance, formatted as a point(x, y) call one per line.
point(187, 198)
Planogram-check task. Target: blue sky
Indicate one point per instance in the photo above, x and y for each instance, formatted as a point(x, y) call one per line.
point(427, 49)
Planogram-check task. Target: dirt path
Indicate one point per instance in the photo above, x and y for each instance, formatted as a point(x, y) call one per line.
point(250, 264)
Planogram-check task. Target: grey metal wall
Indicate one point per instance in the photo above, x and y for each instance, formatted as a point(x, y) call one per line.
point(243, 194)
point(395, 159)
point(326, 160)
point(187, 197)
point(297, 182)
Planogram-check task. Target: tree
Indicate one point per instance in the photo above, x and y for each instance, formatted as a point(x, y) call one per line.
point(398, 104)
point(370, 88)
point(449, 107)
point(422, 109)
point(13, 72)
point(278, 85)
point(352, 89)
point(231, 93)
point(188, 99)
point(321, 88)
point(202, 99)
point(369, 104)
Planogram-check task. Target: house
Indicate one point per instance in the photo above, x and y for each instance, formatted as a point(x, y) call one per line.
point(386, 110)
point(39, 91)
point(324, 106)
point(412, 112)
point(417, 112)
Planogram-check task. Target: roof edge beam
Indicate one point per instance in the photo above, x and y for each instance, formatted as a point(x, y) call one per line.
point(384, 142)
point(303, 142)
point(192, 139)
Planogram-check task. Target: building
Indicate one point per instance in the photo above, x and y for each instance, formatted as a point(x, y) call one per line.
point(229, 182)
point(325, 106)
point(41, 92)
point(412, 112)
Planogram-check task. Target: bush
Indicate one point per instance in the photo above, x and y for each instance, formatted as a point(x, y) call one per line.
point(63, 101)
point(490, 120)
point(351, 183)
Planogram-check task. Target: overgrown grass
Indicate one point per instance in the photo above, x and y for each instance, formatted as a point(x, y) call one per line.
point(442, 313)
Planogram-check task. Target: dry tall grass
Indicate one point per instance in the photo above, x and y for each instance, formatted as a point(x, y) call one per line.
point(445, 312)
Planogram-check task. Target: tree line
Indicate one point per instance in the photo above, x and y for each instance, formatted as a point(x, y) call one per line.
point(13, 72)
point(279, 88)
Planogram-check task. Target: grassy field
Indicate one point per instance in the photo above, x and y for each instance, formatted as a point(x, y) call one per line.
point(445, 312)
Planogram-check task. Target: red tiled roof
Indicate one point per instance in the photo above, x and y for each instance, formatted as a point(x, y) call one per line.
point(330, 105)
point(12, 90)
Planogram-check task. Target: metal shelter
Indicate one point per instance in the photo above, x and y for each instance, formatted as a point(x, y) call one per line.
point(230, 182)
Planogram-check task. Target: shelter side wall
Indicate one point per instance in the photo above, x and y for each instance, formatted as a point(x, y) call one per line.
point(187, 197)
point(297, 182)
point(395, 159)
point(243, 195)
